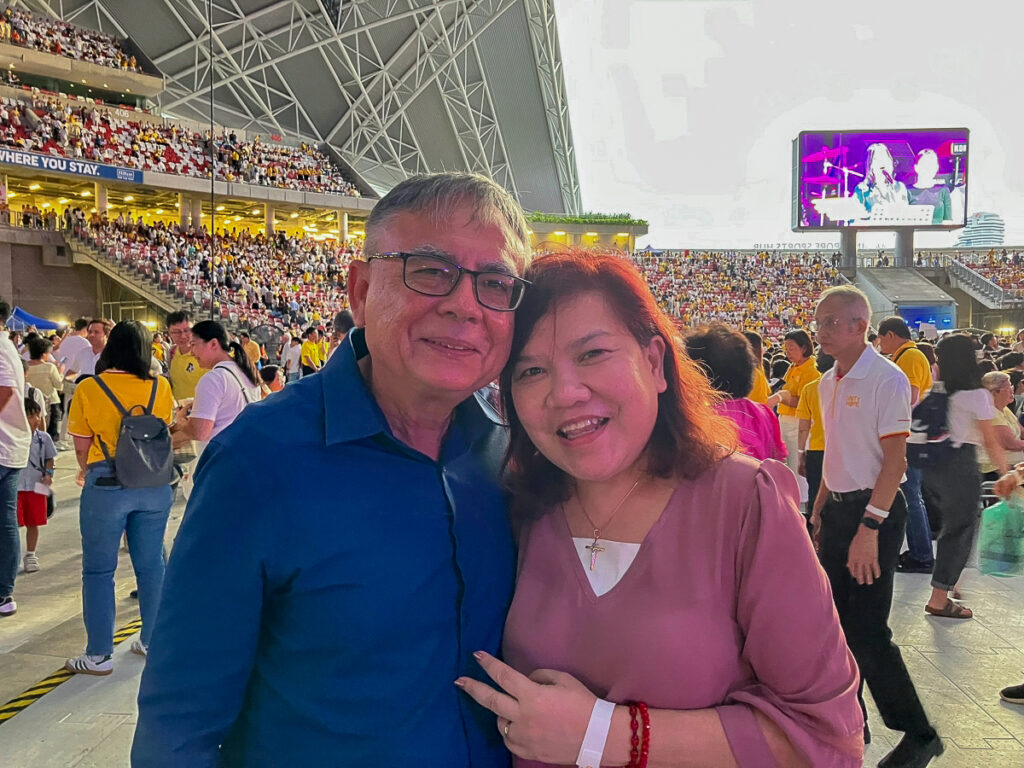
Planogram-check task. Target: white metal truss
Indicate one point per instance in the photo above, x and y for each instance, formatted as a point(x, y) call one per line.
point(380, 57)
point(540, 15)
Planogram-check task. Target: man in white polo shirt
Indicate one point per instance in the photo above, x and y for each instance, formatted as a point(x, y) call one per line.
point(70, 347)
point(859, 515)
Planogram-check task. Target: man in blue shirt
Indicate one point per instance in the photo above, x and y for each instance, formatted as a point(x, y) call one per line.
point(325, 620)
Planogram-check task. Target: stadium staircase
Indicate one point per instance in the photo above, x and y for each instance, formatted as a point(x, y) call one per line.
point(159, 290)
point(981, 288)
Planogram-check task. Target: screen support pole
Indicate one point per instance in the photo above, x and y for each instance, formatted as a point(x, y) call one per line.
point(904, 256)
point(848, 251)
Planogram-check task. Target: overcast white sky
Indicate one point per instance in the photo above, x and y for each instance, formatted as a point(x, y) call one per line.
point(683, 111)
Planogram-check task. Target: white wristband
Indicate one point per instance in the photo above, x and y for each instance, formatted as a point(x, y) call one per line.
point(597, 734)
point(882, 513)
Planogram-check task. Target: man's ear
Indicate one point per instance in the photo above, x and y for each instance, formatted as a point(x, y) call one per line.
point(358, 288)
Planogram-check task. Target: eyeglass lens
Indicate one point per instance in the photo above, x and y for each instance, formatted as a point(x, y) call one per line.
point(437, 277)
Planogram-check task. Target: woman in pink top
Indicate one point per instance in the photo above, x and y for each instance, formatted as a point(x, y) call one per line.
point(728, 360)
point(655, 564)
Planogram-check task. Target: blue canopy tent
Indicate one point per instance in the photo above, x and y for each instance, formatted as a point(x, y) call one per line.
point(20, 320)
point(650, 250)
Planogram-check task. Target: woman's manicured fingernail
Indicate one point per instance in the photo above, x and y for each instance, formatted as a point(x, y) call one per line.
point(460, 683)
point(478, 655)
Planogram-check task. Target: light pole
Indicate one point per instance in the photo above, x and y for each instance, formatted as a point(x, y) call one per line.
point(213, 169)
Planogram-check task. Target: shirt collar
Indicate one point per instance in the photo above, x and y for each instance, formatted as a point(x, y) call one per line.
point(863, 365)
point(351, 412)
point(905, 345)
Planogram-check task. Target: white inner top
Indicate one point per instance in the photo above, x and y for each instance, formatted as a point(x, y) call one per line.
point(966, 408)
point(219, 397)
point(612, 563)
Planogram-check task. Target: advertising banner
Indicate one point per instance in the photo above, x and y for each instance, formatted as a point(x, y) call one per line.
point(75, 167)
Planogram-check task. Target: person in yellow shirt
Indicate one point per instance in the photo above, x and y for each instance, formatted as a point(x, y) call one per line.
point(183, 368)
point(107, 510)
point(761, 390)
point(894, 340)
point(310, 359)
point(323, 348)
point(799, 351)
point(252, 349)
point(811, 439)
point(158, 347)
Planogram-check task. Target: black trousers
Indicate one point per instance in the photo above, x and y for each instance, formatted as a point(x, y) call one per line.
point(864, 610)
point(53, 423)
point(956, 483)
point(813, 461)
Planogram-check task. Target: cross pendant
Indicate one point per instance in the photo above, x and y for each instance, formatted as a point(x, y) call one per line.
point(594, 548)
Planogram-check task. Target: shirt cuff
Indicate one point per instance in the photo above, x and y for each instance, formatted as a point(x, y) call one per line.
point(746, 739)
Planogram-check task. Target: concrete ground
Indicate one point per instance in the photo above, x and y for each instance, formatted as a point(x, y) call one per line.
point(958, 667)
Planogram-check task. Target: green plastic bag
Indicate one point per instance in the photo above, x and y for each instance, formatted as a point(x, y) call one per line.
point(1001, 538)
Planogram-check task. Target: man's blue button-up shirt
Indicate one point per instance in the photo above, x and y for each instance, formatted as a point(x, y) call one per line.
point(327, 586)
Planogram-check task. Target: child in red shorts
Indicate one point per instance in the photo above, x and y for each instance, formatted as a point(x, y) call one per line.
point(34, 483)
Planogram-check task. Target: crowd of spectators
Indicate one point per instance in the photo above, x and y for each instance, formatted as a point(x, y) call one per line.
point(765, 292)
point(43, 124)
point(1004, 269)
point(248, 279)
point(18, 27)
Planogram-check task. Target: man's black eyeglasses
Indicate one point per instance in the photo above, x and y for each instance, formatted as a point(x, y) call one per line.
point(434, 275)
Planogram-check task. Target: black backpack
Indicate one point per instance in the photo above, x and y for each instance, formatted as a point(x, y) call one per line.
point(929, 441)
point(144, 457)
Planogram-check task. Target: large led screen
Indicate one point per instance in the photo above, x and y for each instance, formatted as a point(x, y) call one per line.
point(885, 179)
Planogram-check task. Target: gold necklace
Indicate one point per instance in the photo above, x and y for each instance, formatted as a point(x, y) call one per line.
point(594, 547)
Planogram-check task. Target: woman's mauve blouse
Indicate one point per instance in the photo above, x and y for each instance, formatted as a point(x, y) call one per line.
point(725, 606)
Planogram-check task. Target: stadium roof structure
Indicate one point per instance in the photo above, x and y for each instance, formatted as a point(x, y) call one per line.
point(396, 87)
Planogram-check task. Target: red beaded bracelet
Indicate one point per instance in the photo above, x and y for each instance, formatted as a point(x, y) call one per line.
point(640, 745)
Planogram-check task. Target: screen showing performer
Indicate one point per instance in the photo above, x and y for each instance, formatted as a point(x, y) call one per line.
point(882, 179)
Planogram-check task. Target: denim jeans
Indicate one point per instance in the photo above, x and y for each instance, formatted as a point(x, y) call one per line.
point(10, 542)
point(104, 513)
point(919, 531)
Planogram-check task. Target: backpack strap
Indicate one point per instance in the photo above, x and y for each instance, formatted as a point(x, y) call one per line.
point(152, 396)
point(902, 351)
point(113, 398)
point(106, 390)
point(241, 386)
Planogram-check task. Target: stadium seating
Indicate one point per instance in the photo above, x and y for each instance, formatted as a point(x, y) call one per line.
point(766, 292)
point(42, 124)
point(24, 29)
point(249, 280)
point(1005, 270)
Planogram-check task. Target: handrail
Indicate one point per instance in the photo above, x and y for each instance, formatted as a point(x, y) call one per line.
point(981, 284)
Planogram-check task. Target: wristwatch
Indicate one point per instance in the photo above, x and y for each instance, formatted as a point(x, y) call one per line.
point(49, 472)
point(870, 522)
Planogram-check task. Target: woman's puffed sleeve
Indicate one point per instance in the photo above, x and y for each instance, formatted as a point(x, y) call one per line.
point(805, 678)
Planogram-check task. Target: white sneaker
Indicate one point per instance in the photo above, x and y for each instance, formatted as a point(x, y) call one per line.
point(90, 665)
point(8, 606)
point(31, 563)
point(139, 647)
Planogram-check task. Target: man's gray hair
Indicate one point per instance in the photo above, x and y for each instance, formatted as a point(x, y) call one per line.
point(439, 195)
point(854, 300)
